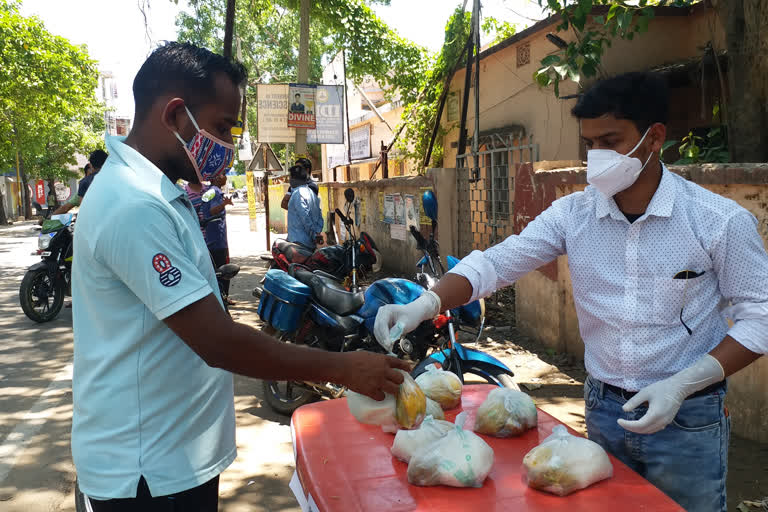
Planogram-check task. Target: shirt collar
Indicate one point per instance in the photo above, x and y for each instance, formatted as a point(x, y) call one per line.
point(145, 170)
point(661, 204)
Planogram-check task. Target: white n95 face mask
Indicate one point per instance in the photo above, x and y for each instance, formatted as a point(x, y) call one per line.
point(611, 172)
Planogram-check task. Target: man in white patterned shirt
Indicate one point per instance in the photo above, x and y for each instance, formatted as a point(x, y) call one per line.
point(653, 259)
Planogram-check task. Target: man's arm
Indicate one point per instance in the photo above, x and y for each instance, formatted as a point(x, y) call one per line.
point(223, 343)
point(481, 273)
point(75, 201)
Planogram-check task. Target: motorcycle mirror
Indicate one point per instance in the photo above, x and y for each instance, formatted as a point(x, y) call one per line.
point(349, 195)
point(429, 202)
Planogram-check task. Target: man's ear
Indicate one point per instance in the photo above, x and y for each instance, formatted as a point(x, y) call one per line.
point(658, 134)
point(174, 116)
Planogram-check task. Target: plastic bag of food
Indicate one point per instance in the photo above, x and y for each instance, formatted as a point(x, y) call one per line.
point(458, 459)
point(506, 413)
point(409, 442)
point(373, 412)
point(441, 386)
point(406, 410)
point(434, 410)
point(563, 463)
point(410, 403)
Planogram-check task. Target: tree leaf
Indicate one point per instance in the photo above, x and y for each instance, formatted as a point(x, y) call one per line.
point(550, 60)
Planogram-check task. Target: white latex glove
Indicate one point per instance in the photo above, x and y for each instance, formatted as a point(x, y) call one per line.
point(666, 396)
point(395, 321)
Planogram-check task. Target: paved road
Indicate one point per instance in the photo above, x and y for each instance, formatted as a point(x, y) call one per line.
point(36, 471)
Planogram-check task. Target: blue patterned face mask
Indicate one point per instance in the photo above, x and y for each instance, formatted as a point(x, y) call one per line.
point(210, 156)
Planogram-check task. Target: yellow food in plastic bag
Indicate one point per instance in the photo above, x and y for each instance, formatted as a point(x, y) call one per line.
point(411, 403)
point(506, 413)
point(441, 386)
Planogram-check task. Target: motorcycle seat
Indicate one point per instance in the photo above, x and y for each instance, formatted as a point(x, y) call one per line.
point(330, 293)
point(286, 247)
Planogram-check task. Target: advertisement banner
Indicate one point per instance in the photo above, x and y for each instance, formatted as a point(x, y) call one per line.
point(40, 192)
point(301, 111)
point(329, 116)
point(360, 140)
point(251, 200)
point(272, 103)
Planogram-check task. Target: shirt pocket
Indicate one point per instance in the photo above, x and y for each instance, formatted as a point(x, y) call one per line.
point(671, 295)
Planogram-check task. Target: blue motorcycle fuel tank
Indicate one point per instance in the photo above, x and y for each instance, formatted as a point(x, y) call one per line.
point(387, 291)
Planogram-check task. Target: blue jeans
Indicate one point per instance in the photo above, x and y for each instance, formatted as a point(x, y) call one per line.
point(688, 460)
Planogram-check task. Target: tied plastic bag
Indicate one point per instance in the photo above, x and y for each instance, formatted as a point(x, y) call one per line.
point(441, 386)
point(406, 410)
point(373, 412)
point(506, 413)
point(434, 410)
point(408, 442)
point(563, 463)
point(411, 403)
point(458, 459)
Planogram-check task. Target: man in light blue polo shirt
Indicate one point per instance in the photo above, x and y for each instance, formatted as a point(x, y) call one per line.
point(154, 422)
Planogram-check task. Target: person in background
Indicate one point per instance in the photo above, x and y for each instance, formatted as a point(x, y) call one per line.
point(305, 218)
point(96, 161)
point(215, 203)
point(658, 264)
point(195, 193)
point(307, 165)
point(153, 424)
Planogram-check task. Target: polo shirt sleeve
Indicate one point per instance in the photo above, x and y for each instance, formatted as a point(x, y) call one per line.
point(144, 250)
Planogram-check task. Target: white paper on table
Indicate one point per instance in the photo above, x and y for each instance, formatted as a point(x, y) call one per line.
point(298, 492)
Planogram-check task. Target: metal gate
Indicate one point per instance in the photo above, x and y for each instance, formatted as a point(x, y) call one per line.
point(486, 198)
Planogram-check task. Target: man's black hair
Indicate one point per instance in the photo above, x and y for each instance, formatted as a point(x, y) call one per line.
point(85, 169)
point(305, 163)
point(640, 97)
point(297, 94)
point(298, 172)
point(184, 70)
point(98, 158)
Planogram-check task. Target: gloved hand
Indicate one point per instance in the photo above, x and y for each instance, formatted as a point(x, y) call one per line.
point(666, 396)
point(403, 319)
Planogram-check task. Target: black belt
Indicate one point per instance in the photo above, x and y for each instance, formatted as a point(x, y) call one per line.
point(717, 386)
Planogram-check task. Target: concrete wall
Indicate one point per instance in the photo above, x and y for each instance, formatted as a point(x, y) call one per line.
point(544, 299)
point(508, 95)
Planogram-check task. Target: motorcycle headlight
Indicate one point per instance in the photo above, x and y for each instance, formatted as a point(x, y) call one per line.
point(44, 241)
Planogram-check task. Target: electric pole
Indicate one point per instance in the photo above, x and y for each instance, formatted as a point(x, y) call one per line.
point(303, 72)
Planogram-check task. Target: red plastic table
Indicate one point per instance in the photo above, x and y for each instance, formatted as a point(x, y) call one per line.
point(346, 466)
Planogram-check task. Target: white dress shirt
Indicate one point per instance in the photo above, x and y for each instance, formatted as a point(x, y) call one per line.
point(627, 300)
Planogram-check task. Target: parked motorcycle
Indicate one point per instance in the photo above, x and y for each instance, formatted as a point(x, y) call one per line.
point(47, 282)
point(312, 308)
point(357, 253)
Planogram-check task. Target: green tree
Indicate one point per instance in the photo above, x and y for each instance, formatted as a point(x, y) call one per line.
point(743, 23)
point(48, 109)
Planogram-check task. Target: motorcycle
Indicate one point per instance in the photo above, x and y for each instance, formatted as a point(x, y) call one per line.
point(312, 308)
point(46, 283)
point(358, 253)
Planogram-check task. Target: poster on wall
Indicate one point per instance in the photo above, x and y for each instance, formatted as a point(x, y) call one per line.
point(411, 212)
point(399, 209)
point(301, 111)
point(360, 140)
point(329, 116)
point(272, 103)
point(397, 231)
point(389, 209)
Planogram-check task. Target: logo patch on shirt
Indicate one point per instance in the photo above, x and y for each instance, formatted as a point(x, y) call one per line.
point(169, 275)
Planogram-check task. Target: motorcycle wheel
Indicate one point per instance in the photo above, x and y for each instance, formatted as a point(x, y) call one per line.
point(41, 309)
point(493, 375)
point(284, 397)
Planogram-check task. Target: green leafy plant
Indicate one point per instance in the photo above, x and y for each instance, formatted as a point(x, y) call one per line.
point(581, 58)
point(710, 148)
point(48, 109)
point(500, 29)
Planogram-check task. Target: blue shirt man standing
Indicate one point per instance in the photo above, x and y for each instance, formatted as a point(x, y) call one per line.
point(305, 219)
point(154, 351)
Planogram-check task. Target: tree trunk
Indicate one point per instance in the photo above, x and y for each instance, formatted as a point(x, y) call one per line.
point(3, 217)
point(52, 188)
point(303, 68)
point(747, 45)
point(24, 190)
